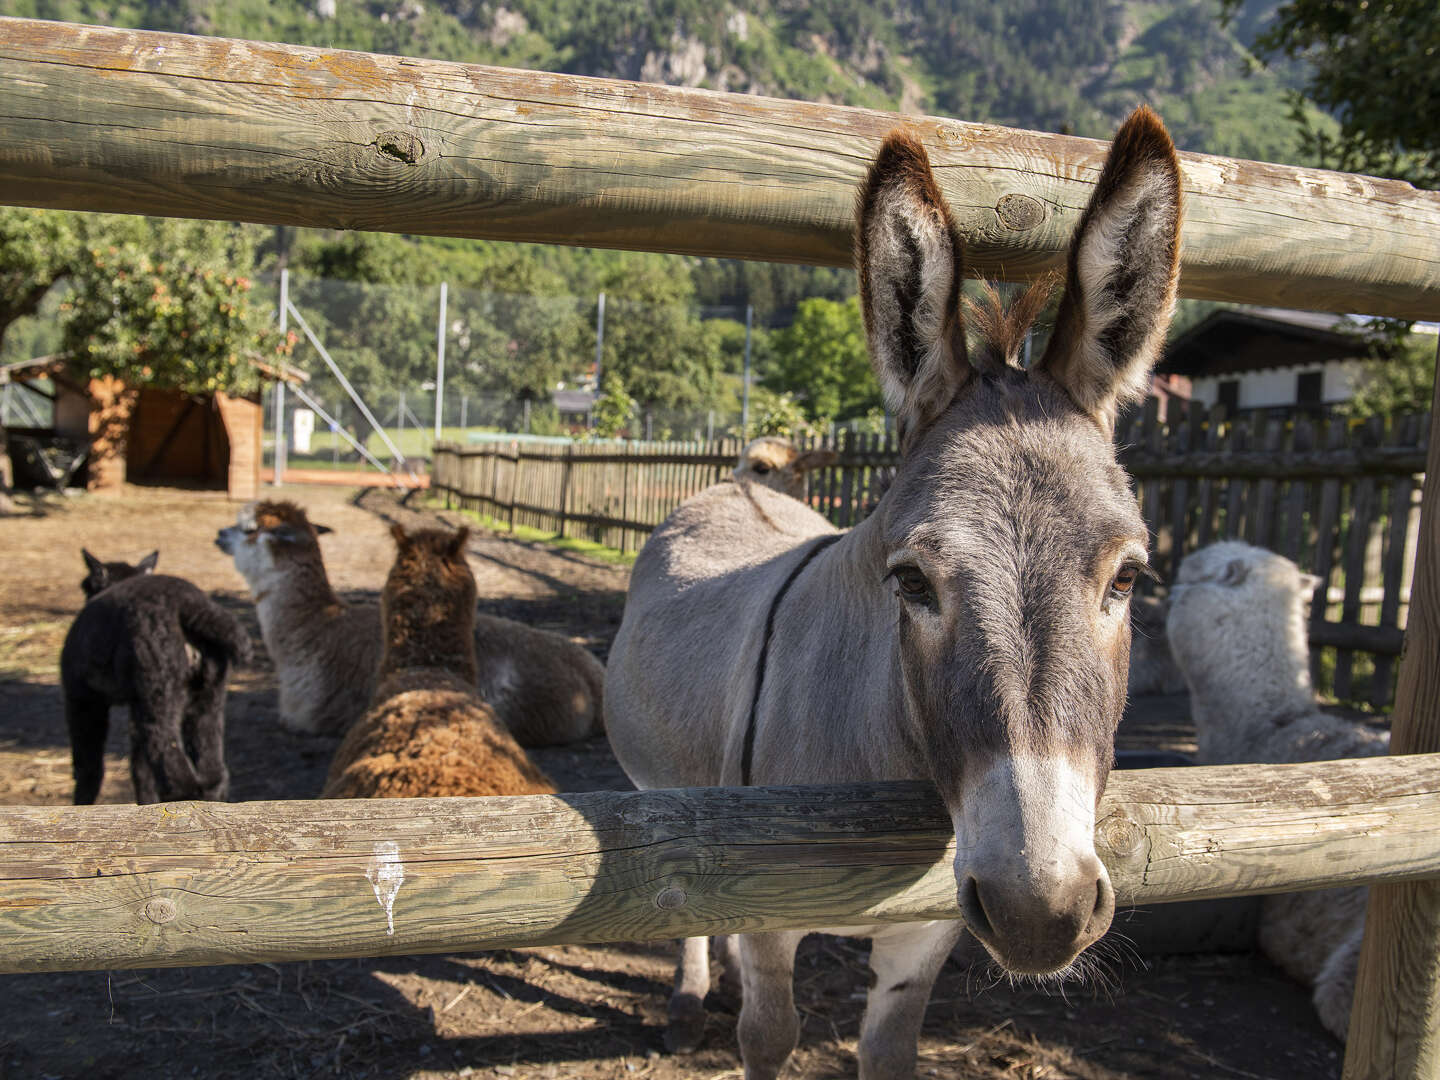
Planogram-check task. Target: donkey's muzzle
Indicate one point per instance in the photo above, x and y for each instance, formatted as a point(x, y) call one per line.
point(1034, 930)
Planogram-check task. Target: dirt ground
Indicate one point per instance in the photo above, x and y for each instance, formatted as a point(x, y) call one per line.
point(544, 1012)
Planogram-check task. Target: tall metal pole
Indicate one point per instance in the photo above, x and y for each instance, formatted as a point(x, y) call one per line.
point(464, 402)
point(745, 385)
point(599, 336)
point(440, 363)
point(280, 383)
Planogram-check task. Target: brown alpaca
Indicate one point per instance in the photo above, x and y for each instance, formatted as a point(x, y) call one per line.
point(429, 733)
point(547, 689)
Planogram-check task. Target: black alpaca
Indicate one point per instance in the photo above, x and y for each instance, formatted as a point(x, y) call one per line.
point(161, 646)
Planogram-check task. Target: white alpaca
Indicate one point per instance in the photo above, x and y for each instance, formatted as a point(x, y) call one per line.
point(1237, 630)
point(777, 464)
point(1152, 666)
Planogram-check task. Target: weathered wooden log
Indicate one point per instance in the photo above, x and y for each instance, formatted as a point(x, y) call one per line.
point(1395, 1023)
point(140, 122)
point(206, 883)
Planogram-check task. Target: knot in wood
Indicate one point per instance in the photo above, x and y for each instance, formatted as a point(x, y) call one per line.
point(160, 910)
point(672, 896)
point(401, 145)
point(1020, 212)
point(1120, 835)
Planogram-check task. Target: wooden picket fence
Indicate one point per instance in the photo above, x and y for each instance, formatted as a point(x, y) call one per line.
point(1341, 499)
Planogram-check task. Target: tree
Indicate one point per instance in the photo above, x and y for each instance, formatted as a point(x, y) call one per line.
point(615, 409)
point(822, 358)
point(1376, 66)
point(1398, 375)
point(167, 303)
point(654, 339)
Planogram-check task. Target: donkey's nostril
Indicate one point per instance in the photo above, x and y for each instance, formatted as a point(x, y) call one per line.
point(973, 910)
point(1104, 911)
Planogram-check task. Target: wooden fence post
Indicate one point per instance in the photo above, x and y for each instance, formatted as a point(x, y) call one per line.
point(565, 489)
point(514, 481)
point(1395, 1023)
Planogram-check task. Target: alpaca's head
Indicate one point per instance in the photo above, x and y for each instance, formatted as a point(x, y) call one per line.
point(101, 575)
point(268, 538)
point(1234, 606)
point(777, 464)
point(428, 603)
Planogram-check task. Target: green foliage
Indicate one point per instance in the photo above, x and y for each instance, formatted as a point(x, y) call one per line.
point(1398, 374)
point(654, 339)
point(615, 409)
point(159, 303)
point(1377, 67)
point(776, 414)
point(822, 356)
point(37, 249)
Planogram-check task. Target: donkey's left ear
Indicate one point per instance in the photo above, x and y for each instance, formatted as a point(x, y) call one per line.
point(1123, 267)
point(910, 259)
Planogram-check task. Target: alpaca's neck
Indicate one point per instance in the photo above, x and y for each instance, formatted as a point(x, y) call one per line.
point(293, 601)
point(415, 639)
point(1252, 678)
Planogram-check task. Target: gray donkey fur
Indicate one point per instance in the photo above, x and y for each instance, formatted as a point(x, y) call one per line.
point(974, 631)
point(161, 646)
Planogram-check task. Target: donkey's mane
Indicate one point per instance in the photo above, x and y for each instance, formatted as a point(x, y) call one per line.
point(1001, 328)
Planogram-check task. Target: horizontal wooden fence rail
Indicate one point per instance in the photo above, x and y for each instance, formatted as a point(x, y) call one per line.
point(214, 883)
point(141, 122)
point(1341, 499)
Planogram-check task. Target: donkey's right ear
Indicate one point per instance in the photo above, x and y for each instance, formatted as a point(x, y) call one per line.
point(910, 259)
point(91, 562)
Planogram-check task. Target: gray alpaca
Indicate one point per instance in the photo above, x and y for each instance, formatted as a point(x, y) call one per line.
point(161, 646)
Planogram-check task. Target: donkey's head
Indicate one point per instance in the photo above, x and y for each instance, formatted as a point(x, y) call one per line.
point(1011, 536)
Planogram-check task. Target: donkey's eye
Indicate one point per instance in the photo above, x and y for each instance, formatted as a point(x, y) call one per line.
point(914, 587)
point(1124, 583)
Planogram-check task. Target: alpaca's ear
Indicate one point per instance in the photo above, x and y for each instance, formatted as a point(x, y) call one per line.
point(815, 459)
point(92, 564)
point(320, 530)
point(287, 534)
point(910, 260)
point(402, 539)
point(1235, 573)
point(458, 541)
point(1310, 582)
point(1123, 267)
point(147, 564)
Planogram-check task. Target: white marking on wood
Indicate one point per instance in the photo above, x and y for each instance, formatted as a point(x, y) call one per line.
point(386, 874)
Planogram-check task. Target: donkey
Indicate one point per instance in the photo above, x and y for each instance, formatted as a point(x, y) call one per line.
point(974, 631)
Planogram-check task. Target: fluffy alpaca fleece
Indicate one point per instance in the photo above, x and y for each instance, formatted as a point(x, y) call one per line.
point(546, 689)
point(429, 733)
point(1237, 629)
point(161, 646)
point(779, 465)
point(1152, 668)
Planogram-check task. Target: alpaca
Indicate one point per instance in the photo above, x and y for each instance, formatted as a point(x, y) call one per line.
point(161, 646)
point(776, 463)
point(1152, 667)
point(429, 733)
point(1237, 629)
point(546, 689)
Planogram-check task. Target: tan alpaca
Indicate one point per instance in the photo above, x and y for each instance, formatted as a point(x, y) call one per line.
point(429, 733)
point(547, 689)
point(777, 464)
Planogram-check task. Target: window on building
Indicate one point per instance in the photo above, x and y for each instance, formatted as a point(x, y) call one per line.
point(1310, 391)
point(1229, 396)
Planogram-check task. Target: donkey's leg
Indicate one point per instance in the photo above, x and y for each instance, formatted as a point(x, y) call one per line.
point(687, 1001)
point(904, 961)
point(769, 1027)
